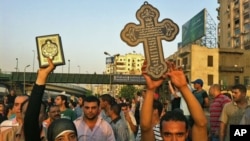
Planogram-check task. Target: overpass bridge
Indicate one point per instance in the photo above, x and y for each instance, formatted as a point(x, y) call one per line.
point(17, 79)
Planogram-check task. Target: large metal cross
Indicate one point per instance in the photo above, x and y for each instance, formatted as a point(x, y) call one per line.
point(150, 32)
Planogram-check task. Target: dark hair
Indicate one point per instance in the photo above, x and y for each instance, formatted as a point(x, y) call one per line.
point(82, 97)
point(108, 98)
point(116, 108)
point(228, 95)
point(123, 104)
point(92, 99)
point(9, 107)
point(73, 103)
point(174, 115)
point(241, 87)
point(51, 106)
point(138, 93)
point(158, 105)
point(64, 97)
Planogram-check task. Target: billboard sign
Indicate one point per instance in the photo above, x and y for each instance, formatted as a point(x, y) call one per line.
point(129, 79)
point(194, 29)
point(109, 60)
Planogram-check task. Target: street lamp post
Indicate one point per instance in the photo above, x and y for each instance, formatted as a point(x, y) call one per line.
point(24, 78)
point(33, 59)
point(110, 73)
point(16, 64)
point(79, 69)
point(69, 66)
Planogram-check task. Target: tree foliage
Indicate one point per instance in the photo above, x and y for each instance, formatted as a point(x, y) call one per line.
point(128, 91)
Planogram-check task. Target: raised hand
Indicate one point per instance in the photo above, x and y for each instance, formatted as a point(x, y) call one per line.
point(176, 75)
point(44, 72)
point(151, 84)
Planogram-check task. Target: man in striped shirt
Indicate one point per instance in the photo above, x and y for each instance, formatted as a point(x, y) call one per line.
point(219, 100)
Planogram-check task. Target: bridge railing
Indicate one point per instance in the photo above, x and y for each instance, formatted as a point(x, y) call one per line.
point(80, 78)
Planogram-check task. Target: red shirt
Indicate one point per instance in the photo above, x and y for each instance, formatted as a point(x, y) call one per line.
point(215, 111)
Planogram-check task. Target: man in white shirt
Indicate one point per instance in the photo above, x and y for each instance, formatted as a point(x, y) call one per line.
point(18, 120)
point(130, 120)
point(91, 126)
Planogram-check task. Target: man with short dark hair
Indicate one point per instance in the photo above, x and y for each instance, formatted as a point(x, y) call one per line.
point(106, 100)
point(200, 93)
point(118, 124)
point(219, 100)
point(130, 120)
point(53, 114)
point(91, 126)
point(18, 119)
point(61, 101)
point(78, 109)
point(233, 111)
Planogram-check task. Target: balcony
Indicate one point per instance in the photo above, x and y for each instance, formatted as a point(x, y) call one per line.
point(231, 69)
point(231, 51)
point(186, 68)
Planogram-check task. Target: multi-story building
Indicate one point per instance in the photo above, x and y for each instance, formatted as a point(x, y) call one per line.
point(228, 64)
point(234, 42)
point(128, 64)
point(198, 62)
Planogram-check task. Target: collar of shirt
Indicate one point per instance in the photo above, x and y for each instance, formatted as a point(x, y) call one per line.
point(116, 119)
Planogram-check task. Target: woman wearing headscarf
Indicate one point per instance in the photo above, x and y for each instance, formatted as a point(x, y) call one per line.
point(62, 130)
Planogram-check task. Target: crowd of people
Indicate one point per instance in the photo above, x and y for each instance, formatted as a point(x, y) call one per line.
point(144, 118)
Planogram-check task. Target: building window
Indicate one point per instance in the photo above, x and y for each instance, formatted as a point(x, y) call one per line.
point(210, 79)
point(236, 80)
point(247, 80)
point(236, 2)
point(236, 22)
point(246, 16)
point(246, 6)
point(178, 62)
point(237, 31)
point(237, 43)
point(247, 47)
point(247, 26)
point(185, 61)
point(210, 61)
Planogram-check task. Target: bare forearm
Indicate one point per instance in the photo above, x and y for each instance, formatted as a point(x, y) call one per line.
point(222, 131)
point(147, 110)
point(132, 126)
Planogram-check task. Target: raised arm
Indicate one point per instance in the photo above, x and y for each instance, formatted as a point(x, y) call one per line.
point(147, 133)
point(199, 129)
point(32, 127)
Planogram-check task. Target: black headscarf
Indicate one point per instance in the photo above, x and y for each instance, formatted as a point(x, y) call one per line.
point(58, 126)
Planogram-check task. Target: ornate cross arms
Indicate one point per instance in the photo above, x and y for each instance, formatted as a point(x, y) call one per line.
point(150, 32)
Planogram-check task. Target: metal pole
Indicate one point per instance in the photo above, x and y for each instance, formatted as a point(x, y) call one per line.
point(24, 78)
point(16, 64)
point(110, 82)
point(33, 59)
point(79, 68)
point(110, 73)
point(69, 66)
